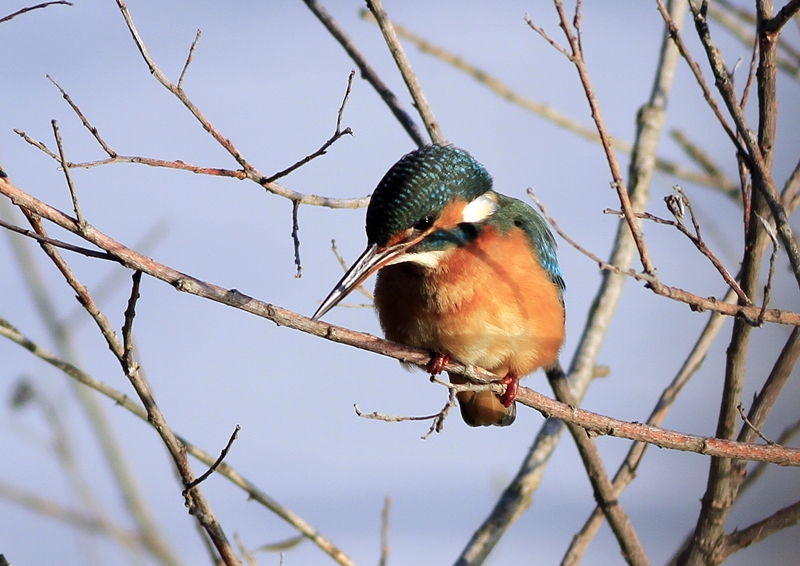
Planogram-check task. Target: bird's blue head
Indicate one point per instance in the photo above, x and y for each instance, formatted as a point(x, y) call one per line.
point(431, 201)
point(414, 192)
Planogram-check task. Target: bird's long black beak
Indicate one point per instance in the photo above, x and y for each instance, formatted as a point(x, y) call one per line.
point(373, 258)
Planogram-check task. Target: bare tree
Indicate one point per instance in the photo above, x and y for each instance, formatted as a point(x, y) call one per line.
point(730, 190)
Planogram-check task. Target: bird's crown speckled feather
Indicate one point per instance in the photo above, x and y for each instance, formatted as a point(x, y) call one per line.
point(419, 185)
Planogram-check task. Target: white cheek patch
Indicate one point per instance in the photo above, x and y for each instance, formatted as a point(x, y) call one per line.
point(480, 209)
point(429, 259)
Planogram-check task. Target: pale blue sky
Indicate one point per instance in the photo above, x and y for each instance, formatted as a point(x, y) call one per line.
point(271, 79)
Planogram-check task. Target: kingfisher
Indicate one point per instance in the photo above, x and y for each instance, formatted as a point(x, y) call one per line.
point(464, 272)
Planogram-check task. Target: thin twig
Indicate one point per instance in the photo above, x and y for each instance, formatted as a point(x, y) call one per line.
point(249, 170)
point(58, 243)
point(216, 463)
point(296, 239)
point(770, 391)
point(437, 418)
point(84, 120)
point(697, 240)
point(749, 313)
point(752, 427)
point(675, 34)
point(178, 164)
point(576, 57)
point(410, 78)
point(758, 470)
point(719, 181)
point(75, 204)
point(772, 258)
point(338, 133)
point(188, 59)
point(36, 7)
point(367, 72)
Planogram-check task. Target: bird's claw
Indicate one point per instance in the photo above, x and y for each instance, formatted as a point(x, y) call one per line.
point(512, 386)
point(437, 363)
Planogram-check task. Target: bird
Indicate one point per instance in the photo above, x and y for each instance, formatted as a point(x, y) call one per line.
point(464, 272)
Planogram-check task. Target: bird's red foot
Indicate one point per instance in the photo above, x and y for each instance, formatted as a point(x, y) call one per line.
point(511, 382)
point(437, 363)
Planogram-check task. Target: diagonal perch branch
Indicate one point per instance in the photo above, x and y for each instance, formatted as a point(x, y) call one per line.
point(593, 422)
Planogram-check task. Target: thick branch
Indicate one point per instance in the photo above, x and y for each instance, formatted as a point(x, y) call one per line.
point(595, 423)
point(604, 492)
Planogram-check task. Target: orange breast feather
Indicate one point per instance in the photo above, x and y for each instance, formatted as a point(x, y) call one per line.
point(489, 303)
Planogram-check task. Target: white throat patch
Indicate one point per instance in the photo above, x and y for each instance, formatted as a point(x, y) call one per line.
point(428, 259)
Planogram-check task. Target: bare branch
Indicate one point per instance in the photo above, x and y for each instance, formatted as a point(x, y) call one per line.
point(249, 170)
point(195, 501)
point(189, 59)
point(438, 418)
point(751, 314)
point(338, 133)
point(58, 243)
point(774, 24)
point(216, 463)
point(675, 34)
point(719, 181)
point(772, 258)
point(296, 240)
point(283, 317)
point(410, 78)
point(750, 425)
point(367, 72)
point(125, 401)
point(36, 7)
point(75, 205)
point(80, 114)
point(604, 492)
point(627, 470)
point(697, 240)
point(759, 163)
point(757, 532)
point(618, 184)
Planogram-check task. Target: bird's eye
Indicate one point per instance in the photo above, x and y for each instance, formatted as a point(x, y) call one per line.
point(424, 223)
